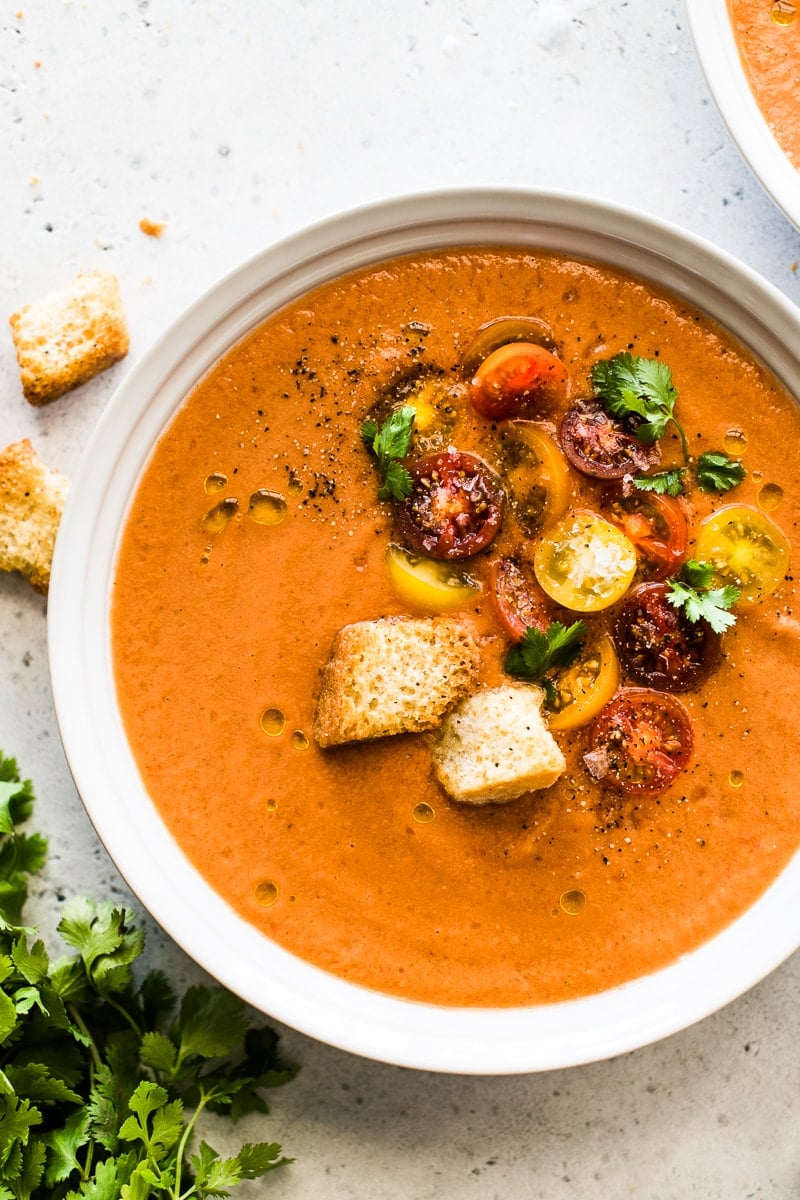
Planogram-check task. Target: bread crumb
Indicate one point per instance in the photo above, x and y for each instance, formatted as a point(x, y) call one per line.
point(68, 336)
point(153, 229)
point(32, 499)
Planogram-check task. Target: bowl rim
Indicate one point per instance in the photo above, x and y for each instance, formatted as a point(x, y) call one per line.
point(721, 63)
point(405, 1033)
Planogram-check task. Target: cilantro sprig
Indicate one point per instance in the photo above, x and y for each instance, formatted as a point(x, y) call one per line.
point(389, 443)
point(718, 472)
point(664, 483)
point(629, 385)
point(693, 593)
point(541, 651)
point(104, 1081)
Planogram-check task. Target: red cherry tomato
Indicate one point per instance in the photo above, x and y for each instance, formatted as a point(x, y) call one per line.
point(455, 506)
point(657, 526)
point(640, 742)
point(518, 379)
point(658, 645)
point(598, 446)
point(518, 601)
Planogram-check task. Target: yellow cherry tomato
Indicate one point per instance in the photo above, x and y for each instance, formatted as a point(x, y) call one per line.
point(536, 475)
point(585, 687)
point(425, 583)
point(746, 548)
point(585, 563)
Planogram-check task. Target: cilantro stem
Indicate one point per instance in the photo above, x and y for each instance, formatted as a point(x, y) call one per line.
point(184, 1142)
point(97, 1061)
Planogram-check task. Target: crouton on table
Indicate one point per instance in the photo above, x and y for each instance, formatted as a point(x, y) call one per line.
point(393, 675)
point(31, 502)
point(495, 746)
point(69, 335)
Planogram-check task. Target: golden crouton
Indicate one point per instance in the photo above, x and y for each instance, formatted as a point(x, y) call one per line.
point(31, 502)
point(495, 746)
point(70, 335)
point(393, 675)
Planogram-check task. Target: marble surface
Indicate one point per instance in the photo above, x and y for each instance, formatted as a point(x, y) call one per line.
point(235, 123)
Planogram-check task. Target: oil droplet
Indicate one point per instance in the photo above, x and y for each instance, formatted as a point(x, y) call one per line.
point(735, 441)
point(266, 893)
point(769, 496)
point(736, 778)
point(273, 722)
point(214, 482)
point(295, 485)
point(783, 12)
point(271, 805)
point(217, 517)
point(299, 740)
point(572, 902)
point(267, 508)
point(423, 813)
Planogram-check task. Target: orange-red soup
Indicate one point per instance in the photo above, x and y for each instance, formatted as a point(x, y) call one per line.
point(226, 601)
point(768, 36)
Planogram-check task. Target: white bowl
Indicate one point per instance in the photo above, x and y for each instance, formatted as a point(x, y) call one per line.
point(469, 1041)
point(720, 59)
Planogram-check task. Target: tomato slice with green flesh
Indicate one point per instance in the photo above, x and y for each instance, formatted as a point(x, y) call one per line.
point(455, 506)
point(746, 548)
point(499, 332)
point(657, 526)
point(659, 646)
point(585, 687)
point(536, 475)
point(427, 584)
point(518, 602)
point(640, 742)
point(598, 446)
point(585, 563)
point(518, 379)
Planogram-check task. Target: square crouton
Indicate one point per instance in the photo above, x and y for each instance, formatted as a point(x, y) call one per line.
point(495, 746)
point(69, 335)
point(393, 675)
point(31, 502)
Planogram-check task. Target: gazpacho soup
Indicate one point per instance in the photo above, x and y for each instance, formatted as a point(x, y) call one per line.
point(453, 627)
point(767, 33)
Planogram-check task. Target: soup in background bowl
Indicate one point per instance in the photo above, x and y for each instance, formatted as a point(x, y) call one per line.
point(227, 524)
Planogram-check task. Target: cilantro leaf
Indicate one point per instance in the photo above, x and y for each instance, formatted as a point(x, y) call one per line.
point(665, 483)
point(699, 601)
point(389, 443)
point(631, 386)
point(718, 472)
point(539, 652)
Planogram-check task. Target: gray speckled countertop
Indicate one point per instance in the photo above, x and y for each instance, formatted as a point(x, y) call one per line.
point(236, 123)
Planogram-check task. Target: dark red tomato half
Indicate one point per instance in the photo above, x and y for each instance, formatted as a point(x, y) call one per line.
point(657, 526)
point(517, 600)
point(518, 379)
point(658, 645)
point(598, 446)
point(640, 742)
point(455, 506)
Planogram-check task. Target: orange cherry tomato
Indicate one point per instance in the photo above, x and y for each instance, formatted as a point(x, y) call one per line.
point(518, 379)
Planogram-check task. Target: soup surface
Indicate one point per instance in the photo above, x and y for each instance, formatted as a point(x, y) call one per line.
point(256, 533)
point(768, 35)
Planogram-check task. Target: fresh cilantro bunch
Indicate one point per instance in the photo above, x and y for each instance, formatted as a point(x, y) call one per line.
point(391, 442)
point(540, 651)
point(103, 1081)
point(693, 593)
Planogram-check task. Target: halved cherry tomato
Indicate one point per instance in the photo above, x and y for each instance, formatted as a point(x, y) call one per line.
point(455, 506)
point(659, 646)
point(640, 742)
point(498, 332)
point(428, 584)
point(747, 550)
point(518, 379)
point(536, 474)
point(518, 601)
point(585, 563)
point(598, 446)
point(583, 688)
point(656, 525)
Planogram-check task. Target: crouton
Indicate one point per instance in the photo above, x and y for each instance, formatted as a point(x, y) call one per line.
point(31, 502)
point(70, 335)
point(495, 746)
point(393, 675)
